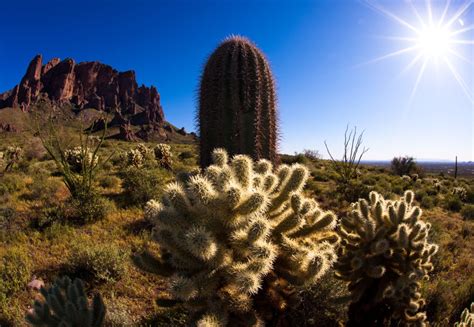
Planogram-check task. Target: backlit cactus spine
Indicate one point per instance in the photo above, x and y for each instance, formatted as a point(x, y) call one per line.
point(467, 318)
point(237, 103)
point(224, 228)
point(384, 253)
point(66, 304)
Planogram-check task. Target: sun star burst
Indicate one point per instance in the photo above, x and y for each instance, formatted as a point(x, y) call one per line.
point(432, 40)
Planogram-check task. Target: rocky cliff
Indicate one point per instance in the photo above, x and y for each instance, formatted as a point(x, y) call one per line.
point(87, 85)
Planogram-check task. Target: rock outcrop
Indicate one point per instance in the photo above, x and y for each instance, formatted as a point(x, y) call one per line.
point(87, 85)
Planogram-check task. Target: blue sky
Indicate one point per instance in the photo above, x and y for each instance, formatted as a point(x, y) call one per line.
point(317, 50)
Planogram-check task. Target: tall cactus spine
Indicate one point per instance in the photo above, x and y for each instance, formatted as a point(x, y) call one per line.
point(237, 103)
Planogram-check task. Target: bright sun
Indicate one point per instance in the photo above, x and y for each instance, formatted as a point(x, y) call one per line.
point(432, 39)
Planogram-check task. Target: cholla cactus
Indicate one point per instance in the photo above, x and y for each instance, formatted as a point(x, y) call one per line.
point(143, 149)
point(11, 156)
point(134, 157)
point(406, 178)
point(163, 155)
point(228, 227)
point(384, 253)
point(467, 318)
point(78, 156)
point(460, 191)
point(137, 156)
point(66, 304)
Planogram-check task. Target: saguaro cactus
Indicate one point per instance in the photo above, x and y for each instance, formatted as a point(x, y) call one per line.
point(384, 253)
point(66, 304)
point(237, 103)
point(224, 230)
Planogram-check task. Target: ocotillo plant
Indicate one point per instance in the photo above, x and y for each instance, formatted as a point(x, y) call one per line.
point(384, 253)
point(227, 228)
point(65, 304)
point(237, 103)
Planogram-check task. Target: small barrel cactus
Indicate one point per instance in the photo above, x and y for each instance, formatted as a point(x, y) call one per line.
point(66, 304)
point(237, 103)
point(163, 155)
point(79, 157)
point(467, 318)
point(384, 253)
point(227, 228)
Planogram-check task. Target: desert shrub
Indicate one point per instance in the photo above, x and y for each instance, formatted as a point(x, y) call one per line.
point(186, 155)
point(470, 195)
point(320, 175)
point(119, 315)
point(12, 182)
point(369, 180)
point(66, 304)
point(88, 207)
point(320, 305)
point(240, 230)
point(427, 202)
point(14, 271)
point(312, 154)
point(384, 254)
point(420, 194)
point(7, 222)
point(297, 158)
point(353, 191)
point(404, 166)
point(43, 188)
point(34, 150)
point(141, 185)
point(4, 191)
point(452, 202)
point(97, 262)
point(468, 212)
point(47, 216)
point(397, 188)
point(109, 181)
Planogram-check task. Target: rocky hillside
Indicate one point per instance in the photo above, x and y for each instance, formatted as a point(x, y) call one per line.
point(93, 85)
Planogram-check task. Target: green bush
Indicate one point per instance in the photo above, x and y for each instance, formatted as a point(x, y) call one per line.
point(452, 202)
point(470, 195)
point(47, 216)
point(88, 207)
point(43, 189)
point(99, 262)
point(14, 274)
point(353, 191)
point(141, 185)
point(468, 212)
point(12, 182)
point(109, 181)
point(186, 155)
point(427, 202)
